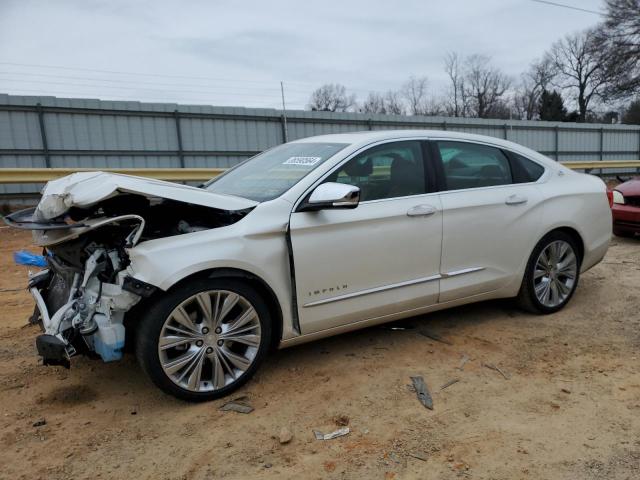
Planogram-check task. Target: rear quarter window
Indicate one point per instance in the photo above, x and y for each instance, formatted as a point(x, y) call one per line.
point(525, 170)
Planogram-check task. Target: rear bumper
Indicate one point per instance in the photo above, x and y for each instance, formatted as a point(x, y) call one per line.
point(626, 218)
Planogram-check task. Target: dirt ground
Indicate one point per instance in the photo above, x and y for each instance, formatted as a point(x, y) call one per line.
point(570, 408)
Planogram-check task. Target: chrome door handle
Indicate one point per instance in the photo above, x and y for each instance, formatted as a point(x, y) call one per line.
point(421, 211)
point(515, 200)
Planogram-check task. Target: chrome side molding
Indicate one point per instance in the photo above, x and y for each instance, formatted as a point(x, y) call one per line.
point(383, 288)
point(455, 273)
point(373, 290)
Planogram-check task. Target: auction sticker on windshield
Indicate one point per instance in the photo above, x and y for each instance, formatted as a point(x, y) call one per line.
point(302, 160)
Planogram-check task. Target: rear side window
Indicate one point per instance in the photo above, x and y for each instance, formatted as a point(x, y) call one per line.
point(525, 170)
point(470, 165)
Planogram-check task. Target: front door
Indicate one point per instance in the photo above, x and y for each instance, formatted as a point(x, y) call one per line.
point(380, 258)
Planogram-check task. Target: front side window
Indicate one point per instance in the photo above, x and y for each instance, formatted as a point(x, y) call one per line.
point(271, 173)
point(390, 170)
point(470, 165)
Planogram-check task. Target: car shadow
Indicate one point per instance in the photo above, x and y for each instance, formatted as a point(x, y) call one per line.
point(126, 377)
point(441, 326)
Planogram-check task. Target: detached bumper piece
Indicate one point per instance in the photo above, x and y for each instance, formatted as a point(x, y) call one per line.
point(25, 220)
point(53, 351)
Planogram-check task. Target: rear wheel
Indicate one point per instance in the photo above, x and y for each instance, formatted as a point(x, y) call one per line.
point(205, 339)
point(552, 274)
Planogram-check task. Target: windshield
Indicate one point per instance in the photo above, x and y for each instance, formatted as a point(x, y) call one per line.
point(271, 173)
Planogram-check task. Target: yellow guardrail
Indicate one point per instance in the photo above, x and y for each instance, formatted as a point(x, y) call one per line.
point(606, 164)
point(40, 175)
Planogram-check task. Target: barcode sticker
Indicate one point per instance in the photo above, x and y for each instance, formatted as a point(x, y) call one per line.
point(302, 161)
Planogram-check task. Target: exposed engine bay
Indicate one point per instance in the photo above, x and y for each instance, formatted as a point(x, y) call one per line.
point(85, 291)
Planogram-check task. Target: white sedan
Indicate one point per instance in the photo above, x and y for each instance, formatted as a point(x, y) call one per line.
point(308, 239)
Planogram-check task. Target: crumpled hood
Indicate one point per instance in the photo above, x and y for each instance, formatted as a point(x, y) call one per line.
point(84, 189)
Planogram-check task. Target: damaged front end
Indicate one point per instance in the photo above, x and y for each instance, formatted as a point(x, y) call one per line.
point(87, 224)
point(82, 307)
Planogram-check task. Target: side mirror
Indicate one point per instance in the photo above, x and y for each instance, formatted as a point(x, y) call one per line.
point(332, 195)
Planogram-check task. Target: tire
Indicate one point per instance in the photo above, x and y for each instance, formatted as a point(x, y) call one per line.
point(559, 283)
point(183, 347)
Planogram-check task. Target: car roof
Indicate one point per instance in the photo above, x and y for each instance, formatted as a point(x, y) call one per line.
point(361, 139)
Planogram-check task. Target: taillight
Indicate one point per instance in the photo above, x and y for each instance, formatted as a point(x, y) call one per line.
point(610, 197)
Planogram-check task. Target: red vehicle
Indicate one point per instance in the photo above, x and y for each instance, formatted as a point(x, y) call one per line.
point(626, 208)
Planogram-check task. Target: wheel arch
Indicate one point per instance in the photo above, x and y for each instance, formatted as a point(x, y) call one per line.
point(573, 233)
point(258, 283)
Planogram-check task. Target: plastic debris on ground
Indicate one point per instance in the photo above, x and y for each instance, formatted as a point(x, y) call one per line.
point(237, 406)
point(463, 361)
point(491, 366)
point(330, 436)
point(449, 383)
point(422, 392)
point(435, 336)
point(22, 257)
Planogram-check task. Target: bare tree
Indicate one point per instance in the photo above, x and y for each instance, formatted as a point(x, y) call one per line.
point(374, 104)
point(331, 97)
point(434, 105)
point(455, 73)
point(484, 85)
point(580, 69)
point(501, 109)
point(533, 82)
point(389, 103)
point(393, 103)
point(414, 91)
point(618, 41)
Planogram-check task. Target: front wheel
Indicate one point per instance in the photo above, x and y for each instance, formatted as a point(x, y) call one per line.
point(205, 339)
point(552, 274)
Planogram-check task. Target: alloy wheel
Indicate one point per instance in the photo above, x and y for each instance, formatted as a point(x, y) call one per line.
point(555, 273)
point(209, 340)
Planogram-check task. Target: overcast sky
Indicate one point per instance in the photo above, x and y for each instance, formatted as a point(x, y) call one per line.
point(236, 52)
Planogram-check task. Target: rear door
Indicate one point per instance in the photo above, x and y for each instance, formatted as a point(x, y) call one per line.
point(380, 258)
point(491, 213)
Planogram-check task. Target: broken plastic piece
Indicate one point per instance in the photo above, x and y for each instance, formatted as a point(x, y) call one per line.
point(449, 383)
point(463, 361)
point(52, 350)
point(497, 369)
point(239, 407)
point(422, 392)
point(435, 336)
point(22, 257)
point(330, 436)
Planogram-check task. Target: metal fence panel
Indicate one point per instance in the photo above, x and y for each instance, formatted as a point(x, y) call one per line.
point(61, 132)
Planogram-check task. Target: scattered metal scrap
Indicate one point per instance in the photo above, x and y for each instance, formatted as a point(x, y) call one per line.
point(40, 423)
point(330, 436)
point(463, 362)
point(237, 405)
point(435, 336)
point(398, 326)
point(497, 369)
point(418, 456)
point(422, 392)
point(449, 383)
